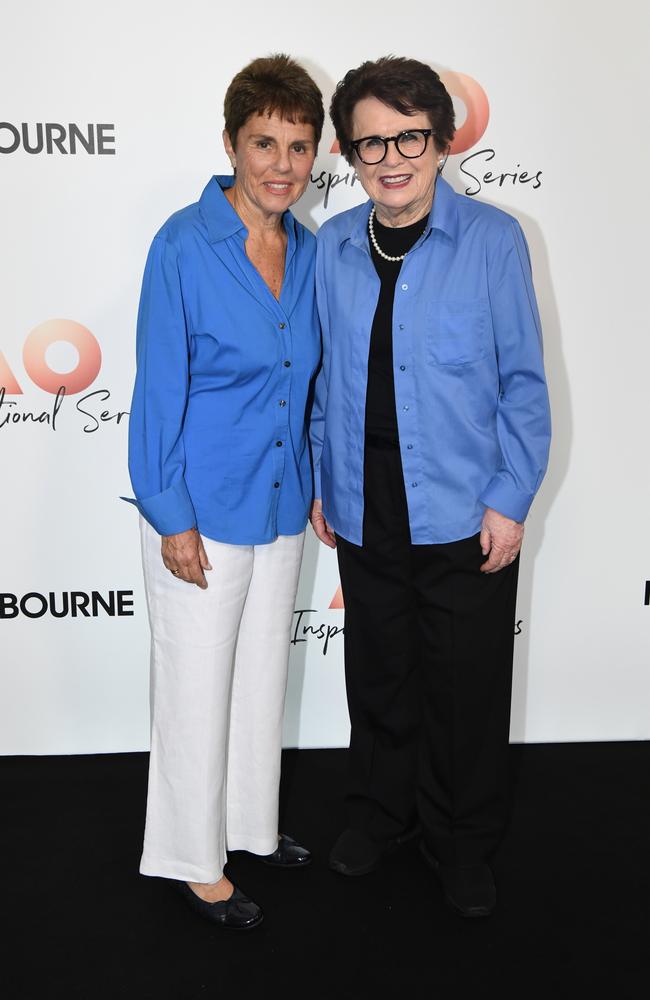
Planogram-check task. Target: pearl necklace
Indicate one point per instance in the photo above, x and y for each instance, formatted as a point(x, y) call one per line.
point(373, 240)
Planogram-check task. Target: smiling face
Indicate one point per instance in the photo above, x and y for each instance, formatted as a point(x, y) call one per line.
point(273, 158)
point(401, 188)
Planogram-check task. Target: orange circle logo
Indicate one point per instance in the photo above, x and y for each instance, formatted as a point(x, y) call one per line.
point(53, 331)
point(471, 93)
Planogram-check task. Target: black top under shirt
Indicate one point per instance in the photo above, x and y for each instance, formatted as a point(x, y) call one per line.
point(381, 416)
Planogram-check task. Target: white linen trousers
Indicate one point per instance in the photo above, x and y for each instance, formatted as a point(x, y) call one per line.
point(219, 660)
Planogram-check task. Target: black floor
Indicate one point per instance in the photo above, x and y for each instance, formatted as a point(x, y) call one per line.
point(573, 879)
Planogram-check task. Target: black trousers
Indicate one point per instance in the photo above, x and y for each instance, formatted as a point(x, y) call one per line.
point(428, 664)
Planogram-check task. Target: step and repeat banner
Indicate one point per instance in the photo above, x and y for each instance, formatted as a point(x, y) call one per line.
point(110, 120)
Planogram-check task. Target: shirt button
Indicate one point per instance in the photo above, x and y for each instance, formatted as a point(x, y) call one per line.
point(401, 326)
point(277, 485)
point(287, 364)
point(413, 484)
point(402, 368)
point(405, 288)
point(282, 325)
point(410, 447)
point(278, 444)
point(282, 402)
point(405, 407)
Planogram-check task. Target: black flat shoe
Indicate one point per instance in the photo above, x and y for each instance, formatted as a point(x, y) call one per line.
point(239, 913)
point(288, 854)
point(468, 889)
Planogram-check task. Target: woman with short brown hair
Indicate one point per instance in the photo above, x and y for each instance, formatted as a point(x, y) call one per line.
point(228, 342)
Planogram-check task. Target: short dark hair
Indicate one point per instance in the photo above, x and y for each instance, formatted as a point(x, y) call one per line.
point(273, 84)
point(406, 85)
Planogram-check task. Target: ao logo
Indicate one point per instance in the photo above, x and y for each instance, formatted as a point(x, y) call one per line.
point(35, 350)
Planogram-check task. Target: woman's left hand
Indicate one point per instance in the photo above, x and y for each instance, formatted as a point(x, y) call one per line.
point(501, 537)
point(185, 557)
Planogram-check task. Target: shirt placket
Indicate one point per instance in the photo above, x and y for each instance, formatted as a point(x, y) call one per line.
point(282, 397)
point(405, 380)
point(281, 438)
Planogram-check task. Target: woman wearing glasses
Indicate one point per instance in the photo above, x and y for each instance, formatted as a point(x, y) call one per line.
point(430, 438)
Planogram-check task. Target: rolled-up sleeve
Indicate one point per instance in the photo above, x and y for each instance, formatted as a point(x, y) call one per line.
point(156, 450)
point(523, 413)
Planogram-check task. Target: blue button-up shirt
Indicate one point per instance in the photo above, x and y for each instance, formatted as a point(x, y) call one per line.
point(472, 404)
point(217, 434)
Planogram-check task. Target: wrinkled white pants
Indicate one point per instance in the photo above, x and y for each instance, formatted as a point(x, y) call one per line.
point(218, 680)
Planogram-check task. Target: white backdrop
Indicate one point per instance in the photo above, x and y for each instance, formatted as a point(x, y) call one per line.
point(564, 84)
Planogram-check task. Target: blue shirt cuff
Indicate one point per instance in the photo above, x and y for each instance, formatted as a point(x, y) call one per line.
point(169, 512)
point(503, 496)
point(318, 492)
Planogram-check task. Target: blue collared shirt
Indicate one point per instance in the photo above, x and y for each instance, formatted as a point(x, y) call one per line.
point(217, 434)
point(470, 392)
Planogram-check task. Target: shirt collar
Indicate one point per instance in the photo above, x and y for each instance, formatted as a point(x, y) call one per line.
point(358, 236)
point(220, 218)
point(443, 216)
point(444, 211)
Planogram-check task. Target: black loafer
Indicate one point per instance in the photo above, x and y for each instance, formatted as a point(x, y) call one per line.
point(239, 913)
point(355, 853)
point(468, 889)
point(288, 854)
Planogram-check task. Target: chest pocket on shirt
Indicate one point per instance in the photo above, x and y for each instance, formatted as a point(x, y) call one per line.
point(457, 333)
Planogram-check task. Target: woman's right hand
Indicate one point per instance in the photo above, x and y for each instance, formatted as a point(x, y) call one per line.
point(320, 525)
point(185, 557)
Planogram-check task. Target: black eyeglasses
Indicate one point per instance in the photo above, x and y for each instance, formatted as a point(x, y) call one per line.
point(411, 144)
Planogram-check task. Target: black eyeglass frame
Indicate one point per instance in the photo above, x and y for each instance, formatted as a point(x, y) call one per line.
point(426, 132)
